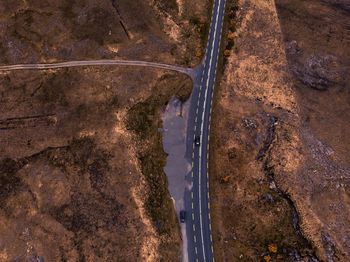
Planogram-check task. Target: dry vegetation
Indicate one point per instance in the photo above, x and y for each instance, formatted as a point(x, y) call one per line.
point(75, 179)
point(81, 162)
point(280, 155)
point(316, 36)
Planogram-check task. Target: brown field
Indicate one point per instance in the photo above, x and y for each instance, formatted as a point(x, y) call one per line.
point(280, 166)
point(76, 181)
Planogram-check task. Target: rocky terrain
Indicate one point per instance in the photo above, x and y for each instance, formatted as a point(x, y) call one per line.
point(81, 162)
point(317, 41)
point(280, 166)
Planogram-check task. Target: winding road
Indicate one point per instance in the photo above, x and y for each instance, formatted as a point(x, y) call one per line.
point(197, 199)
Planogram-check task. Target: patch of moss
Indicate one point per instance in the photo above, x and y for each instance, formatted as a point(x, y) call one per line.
point(230, 27)
point(9, 181)
point(143, 118)
point(169, 6)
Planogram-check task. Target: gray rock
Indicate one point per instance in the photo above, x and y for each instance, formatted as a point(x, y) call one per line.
point(318, 72)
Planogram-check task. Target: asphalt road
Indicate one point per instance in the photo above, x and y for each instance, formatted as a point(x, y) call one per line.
point(197, 201)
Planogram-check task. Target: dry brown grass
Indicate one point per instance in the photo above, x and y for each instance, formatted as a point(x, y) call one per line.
point(75, 185)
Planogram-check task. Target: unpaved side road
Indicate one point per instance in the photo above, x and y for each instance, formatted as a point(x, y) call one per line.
point(101, 62)
point(174, 142)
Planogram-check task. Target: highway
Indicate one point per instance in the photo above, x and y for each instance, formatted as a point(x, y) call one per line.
point(197, 199)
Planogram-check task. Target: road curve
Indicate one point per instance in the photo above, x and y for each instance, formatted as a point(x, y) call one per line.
point(103, 62)
point(197, 200)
